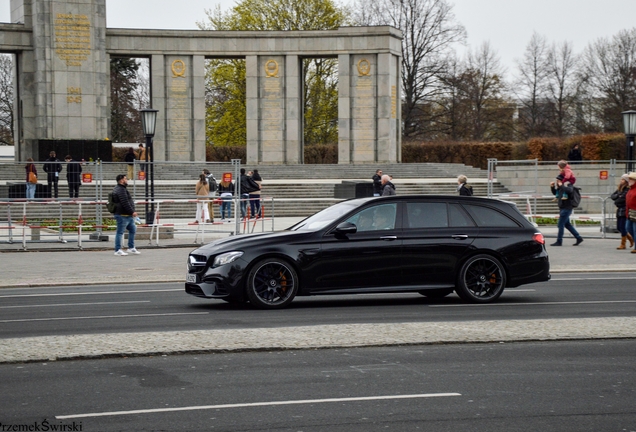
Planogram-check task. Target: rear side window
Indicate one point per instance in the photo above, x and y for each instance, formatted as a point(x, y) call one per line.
point(427, 215)
point(489, 217)
point(459, 218)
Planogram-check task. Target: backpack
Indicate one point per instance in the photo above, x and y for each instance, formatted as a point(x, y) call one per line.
point(111, 205)
point(575, 197)
point(212, 183)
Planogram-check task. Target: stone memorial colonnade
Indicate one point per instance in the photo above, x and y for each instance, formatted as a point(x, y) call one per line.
point(63, 48)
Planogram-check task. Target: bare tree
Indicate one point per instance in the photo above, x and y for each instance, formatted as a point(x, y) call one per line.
point(483, 87)
point(531, 88)
point(429, 30)
point(562, 87)
point(6, 100)
point(608, 77)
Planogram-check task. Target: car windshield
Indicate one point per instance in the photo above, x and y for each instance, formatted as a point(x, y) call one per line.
point(326, 216)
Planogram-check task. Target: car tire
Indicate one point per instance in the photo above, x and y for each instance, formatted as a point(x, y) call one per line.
point(436, 293)
point(482, 279)
point(272, 283)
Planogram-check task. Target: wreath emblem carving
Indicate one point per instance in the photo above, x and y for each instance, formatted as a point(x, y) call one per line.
point(271, 69)
point(178, 68)
point(364, 67)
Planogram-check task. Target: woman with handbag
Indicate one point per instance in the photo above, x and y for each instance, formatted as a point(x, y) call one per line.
point(619, 201)
point(31, 178)
point(630, 206)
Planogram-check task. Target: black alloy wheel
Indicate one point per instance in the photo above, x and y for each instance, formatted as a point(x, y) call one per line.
point(271, 284)
point(482, 279)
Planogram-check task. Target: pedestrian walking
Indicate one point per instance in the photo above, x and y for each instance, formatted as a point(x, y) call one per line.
point(202, 190)
point(248, 185)
point(141, 156)
point(130, 160)
point(562, 191)
point(52, 168)
point(73, 176)
point(31, 178)
point(574, 155)
point(388, 188)
point(464, 188)
point(212, 186)
point(255, 196)
point(377, 183)
point(619, 201)
point(630, 207)
point(125, 215)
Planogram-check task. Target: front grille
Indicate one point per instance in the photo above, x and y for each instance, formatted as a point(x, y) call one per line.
point(196, 263)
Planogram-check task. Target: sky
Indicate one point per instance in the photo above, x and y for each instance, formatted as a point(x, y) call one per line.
point(507, 24)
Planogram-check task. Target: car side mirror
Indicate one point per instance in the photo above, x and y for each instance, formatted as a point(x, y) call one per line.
point(345, 228)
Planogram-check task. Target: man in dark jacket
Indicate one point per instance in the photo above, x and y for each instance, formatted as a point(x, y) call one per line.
point(125, 215)
point(247, 185)
point(73, 176)
point(377, 183)
point(53, 168)
point(563, 192)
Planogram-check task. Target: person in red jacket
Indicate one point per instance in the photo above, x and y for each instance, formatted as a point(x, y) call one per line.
point(630, 207)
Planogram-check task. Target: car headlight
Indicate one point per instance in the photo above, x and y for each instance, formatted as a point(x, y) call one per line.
point(226, 258)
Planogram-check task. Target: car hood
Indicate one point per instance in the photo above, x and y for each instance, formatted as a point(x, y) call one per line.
point(244, 241)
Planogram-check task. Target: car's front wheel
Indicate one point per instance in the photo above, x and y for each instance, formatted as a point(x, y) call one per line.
point(482, 279)
point(272, 283)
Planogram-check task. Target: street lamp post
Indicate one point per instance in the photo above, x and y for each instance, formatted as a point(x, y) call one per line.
point(629, 124)
point(148, 122)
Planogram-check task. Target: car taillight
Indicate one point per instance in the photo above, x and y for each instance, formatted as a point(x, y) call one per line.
point(538, 237)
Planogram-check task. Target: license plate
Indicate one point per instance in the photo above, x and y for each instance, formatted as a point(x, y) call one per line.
point(192, 278)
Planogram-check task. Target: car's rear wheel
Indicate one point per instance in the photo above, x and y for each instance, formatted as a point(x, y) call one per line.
point(272, 283)
point(436, 293)
point(482, 279)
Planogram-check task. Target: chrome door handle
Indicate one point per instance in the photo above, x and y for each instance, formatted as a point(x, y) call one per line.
point(388, 238)
point(459, 236)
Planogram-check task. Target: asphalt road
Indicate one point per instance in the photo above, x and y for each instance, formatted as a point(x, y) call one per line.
point(555, 386)
point(26, 312)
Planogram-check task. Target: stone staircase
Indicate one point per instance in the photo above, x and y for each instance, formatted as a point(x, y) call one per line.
point(290, 191)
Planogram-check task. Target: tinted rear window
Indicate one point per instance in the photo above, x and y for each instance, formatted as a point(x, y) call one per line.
point(489, 217)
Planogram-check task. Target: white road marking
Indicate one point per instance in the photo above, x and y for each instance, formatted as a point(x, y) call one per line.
point(535, 303)
point(595, 278)
point(103, 317)
point(88, 293)
point(74, 304)
point(256, 404)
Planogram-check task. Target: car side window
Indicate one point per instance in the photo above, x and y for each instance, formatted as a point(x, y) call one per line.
point(427, 215)
point(459, 218)
point(380, 217)
point(489, 217)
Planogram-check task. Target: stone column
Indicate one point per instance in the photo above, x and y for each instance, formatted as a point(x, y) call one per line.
point(179, 125)
point(344, 109)
point(198, 107)
point(274, 117)
point(158, 102)
point(294, 111)
point(64, 84)
point(388, 148)
point(363, 91)
point(252, 115)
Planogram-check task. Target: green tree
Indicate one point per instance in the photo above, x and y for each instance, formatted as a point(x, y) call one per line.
point(225, 87)
point(125, 121)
